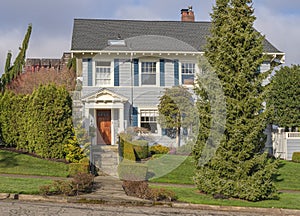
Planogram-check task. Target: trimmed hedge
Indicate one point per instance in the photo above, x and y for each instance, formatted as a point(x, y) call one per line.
point(296, 157)
point(132, 171)
point(132, 150)
point(39, 123)
point(140, 148)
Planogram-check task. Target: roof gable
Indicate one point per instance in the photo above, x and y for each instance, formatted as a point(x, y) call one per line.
point(104, 95)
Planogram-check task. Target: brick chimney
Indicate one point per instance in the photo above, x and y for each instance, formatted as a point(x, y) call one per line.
point(187, 15)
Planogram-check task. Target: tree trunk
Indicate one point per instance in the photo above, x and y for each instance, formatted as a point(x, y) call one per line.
point(178, 137)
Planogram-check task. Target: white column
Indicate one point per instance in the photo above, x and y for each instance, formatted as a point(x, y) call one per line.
point(121, 119)
point(112, 127)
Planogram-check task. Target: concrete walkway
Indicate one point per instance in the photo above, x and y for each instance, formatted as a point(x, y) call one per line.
point(109, 190)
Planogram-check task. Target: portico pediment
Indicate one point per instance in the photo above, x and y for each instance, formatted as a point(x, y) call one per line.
point(104, 96)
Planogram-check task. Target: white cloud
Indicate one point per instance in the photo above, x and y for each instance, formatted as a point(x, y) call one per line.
point(282, 31)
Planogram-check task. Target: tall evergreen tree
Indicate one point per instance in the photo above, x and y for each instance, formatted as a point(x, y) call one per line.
point(284, 97)
point(239, 168)
point(13, 71)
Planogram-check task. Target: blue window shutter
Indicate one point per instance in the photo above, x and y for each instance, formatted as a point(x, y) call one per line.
point(162, 72)
point(134, 116)
point(116, 72)
point(176, 72)
point(136, 72)
point(90, 72)
point(163, 131)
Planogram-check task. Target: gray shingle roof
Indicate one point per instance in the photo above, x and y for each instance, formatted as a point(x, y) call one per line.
point(93, 35)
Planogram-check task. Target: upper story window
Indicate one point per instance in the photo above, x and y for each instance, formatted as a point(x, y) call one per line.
point(103, 73)
point(148, 73)
point(188, 73)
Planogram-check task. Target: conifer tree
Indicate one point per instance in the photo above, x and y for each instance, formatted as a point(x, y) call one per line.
point(284, 97)
point(239, 168)
point(13, 71)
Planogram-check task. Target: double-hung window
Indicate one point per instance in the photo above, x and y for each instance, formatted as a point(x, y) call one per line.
point(187, 73)
point(103, 73)
point(149, 120)
point(148, 73)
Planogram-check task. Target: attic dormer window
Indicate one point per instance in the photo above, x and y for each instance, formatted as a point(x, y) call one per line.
point(116, 43)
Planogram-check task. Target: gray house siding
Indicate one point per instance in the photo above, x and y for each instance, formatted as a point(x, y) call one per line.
point(125, 72)
point(293, 145)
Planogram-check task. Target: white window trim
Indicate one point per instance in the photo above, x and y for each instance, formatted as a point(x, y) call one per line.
point(139, 119)
point(112, 74)
point(180, 72)
point(157, 72)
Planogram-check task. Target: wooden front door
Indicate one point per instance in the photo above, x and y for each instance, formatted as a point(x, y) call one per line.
point(104, 127)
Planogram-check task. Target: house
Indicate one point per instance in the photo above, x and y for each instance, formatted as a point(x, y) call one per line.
point(125, 65)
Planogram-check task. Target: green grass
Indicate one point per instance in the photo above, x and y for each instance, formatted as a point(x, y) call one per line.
point(288, 179)
point(22, 185)
point(191, 195)
point(289, 176)
point(182, 174)
point(15, 163)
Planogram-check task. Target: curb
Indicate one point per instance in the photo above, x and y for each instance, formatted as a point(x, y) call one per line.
point(273, 211)
point(85, 200)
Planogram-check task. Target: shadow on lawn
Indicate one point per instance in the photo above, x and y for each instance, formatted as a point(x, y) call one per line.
point(8, 160)
point(277, 177)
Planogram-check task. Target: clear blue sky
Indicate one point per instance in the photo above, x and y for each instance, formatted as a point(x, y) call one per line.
point(52, 21)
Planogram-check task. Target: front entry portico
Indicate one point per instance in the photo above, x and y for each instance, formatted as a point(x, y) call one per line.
point(104, 111)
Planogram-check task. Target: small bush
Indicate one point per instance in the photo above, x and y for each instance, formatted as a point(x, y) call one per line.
point(136, 188)
point(159, 149)
point(141, 189)
point(132, 171)
point(83, 182)
point(296, 157)
point(161, 194)
point(141, 149)
point(81, 167)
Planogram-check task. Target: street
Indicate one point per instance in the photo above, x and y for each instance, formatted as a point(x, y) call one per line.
point(18, 208)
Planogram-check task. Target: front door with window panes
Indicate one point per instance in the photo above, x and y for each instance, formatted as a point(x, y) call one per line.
point(148, 73)
point(149, 120)
point(188, 73)
point(103, 73)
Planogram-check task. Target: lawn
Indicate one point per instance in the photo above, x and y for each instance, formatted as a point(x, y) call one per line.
point(22, 185)
point(16, 163)
point(177, 169)
point(287, 180)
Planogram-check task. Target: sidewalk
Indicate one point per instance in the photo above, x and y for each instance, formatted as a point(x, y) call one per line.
point(109, 191)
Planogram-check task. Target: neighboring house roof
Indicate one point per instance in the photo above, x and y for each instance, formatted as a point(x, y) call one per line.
point(94, 34)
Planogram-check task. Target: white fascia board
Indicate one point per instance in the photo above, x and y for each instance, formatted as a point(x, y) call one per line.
point(136, 52)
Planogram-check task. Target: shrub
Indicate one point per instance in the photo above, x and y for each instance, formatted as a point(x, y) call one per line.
point(128, 170)
point(296, 157)
point(81, 167)
point(128, 153)
point(159, 149)
point(83, 182)
point(141, 189)
point(140, 148)
point(136, 188)
point(161, 194)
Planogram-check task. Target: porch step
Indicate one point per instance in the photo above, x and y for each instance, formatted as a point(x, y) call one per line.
point(106, 158)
